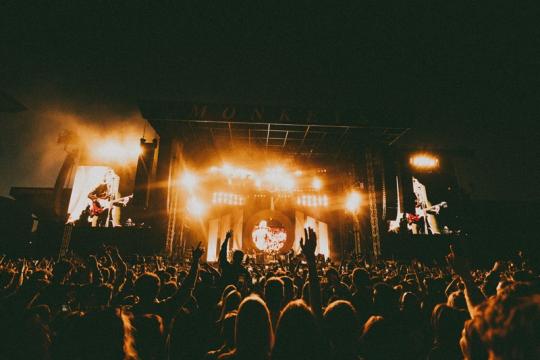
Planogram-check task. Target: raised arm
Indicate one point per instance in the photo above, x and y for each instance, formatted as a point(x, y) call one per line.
point(189, 283)
point(460, 266)
point(121, 269)
point(223, 251)
point(212, 271)
point(308, 249)
point(452, 286)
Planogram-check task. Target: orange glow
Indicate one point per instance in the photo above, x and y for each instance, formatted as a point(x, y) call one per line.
point(227, 199)
point(189, 180)
point(278, 179)
point(312, 200)
point(195, 207)
point(116, 151)
point(272, 178)
point(316, 183)
point(353, 201)
point(424, 161)
point(231, 172)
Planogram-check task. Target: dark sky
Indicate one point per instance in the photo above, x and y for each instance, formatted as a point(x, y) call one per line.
point(462, 74)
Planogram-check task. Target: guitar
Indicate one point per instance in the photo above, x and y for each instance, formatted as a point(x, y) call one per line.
point(99, 205)
point(415, 218)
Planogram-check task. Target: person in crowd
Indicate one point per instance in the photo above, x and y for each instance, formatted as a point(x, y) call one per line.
point(342, 330)
point(274, 294)
point(232, 273)
point(253, 331)
point(108, 334)
point(149, 307)
point(227, 335)
point(447, 323)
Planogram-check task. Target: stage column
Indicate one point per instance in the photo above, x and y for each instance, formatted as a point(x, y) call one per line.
point(372, 199)
point(165, 202)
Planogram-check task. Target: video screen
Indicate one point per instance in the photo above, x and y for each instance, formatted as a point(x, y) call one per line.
point(269, 236)
point(434, 210)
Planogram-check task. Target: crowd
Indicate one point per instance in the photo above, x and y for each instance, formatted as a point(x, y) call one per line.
point(108, 307)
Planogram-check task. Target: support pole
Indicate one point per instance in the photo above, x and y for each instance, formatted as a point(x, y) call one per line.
point(357, 235)
point(372, 199)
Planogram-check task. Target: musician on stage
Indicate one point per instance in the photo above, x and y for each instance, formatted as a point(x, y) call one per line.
point(99, 214)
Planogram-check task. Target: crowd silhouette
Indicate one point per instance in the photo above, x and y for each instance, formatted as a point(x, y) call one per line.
point(108, 307)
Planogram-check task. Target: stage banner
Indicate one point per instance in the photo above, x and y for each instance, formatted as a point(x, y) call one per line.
point(323, 243)
point(238, 221)
point(212, 248)
point(299, 222)
point(321, 229)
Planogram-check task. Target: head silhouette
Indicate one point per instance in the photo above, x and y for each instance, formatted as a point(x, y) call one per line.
point(298, 335)
point(274, 292)
point(253, 332)
point(238, 257)
point(447, 324)
point(227, 329)
point(341, 328)
point(230, 303)
point(360, 279)
point(147, 287)
point(108, 335)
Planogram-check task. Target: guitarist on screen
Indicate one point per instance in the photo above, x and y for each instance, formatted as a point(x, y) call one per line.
point(103, 207)
point(98, 212)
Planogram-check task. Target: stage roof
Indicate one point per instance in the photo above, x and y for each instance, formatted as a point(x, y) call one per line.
point(313, 133)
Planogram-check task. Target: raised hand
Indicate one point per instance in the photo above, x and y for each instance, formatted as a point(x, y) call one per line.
point(198, 252)
point(309, 244)
point(229, 235)
point(458, 263)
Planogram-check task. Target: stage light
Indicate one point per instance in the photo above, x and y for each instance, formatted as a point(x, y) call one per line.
point(116, 151)
point(312, 200)
point(298, 173)
point(353, 201)
point(279, 179)
point(424, 161)
point(195, 207)
point(189, 180)
point(227, 169)
point(227, 198)
point(316, 184)
point(288, 183)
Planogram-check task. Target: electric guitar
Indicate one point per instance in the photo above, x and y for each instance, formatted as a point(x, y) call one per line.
point(99, 205)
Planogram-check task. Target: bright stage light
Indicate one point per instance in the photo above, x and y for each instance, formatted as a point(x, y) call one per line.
point(316, 184)
point(189, 180)
point(227, 199)
point(195, 207)
point(424, 161)
point(312, 200)
point(279, 179)
point(116, 151)
point(353, 201)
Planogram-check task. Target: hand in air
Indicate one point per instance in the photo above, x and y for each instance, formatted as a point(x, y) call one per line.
point(309, 244)
point(458, 263)
point(229, 235)
point(197, 252)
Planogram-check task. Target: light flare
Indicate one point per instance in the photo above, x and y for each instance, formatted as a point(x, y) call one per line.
point(424, 161)
point(353, 201)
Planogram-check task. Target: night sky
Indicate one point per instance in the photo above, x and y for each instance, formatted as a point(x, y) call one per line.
point(463, 75)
